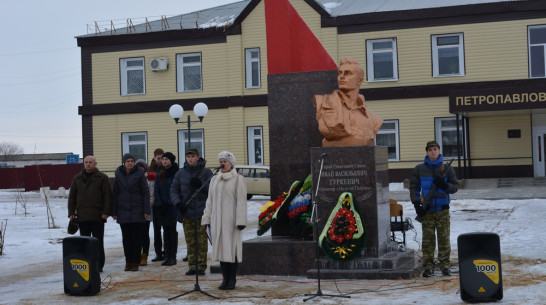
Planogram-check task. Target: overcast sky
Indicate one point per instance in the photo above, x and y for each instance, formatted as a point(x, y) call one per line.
point(40, 75)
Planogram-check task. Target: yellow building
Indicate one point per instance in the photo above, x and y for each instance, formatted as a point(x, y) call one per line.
point(470, 75)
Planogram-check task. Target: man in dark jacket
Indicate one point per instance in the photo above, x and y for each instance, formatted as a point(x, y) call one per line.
point(90, 201)
point(187, 181)
point(434, 172)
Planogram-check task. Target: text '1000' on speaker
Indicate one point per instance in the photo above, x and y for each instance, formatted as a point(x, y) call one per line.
point(80, 265)
point(480, 273)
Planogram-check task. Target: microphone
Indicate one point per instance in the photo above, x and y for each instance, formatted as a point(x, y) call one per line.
point(323, 155)
point(219, 166)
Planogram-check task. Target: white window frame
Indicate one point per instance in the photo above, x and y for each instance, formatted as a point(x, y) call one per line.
point(180, 66)
point(197, 141)
point(126, 144)
point(251, 146)
point(537, 46)
point(436, 58)
point(371, 52)
point(249, 61)
point(384, 131)
point(124, 75)
point(439, 129)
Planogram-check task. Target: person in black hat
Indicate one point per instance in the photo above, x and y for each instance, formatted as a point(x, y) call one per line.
point(166, 210)
point(188, 180)
point(432, 174)
point(131, 206)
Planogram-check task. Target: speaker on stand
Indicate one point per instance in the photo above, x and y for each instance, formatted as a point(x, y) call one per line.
point(480, 272)
point(81, 265)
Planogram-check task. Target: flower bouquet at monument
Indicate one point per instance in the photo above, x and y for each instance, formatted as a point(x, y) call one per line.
point(343, 235)
point(271, 209)
point(299, 210)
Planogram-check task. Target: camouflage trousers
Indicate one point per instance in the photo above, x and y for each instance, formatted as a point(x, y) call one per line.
point(436, 222)
point(202, 243)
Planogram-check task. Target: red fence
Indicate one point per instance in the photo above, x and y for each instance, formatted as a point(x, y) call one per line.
point(31, 178)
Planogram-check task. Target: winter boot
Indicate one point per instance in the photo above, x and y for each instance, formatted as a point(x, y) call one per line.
point(143, 259)
point(167, 247)
point(127, 267)
point(232, 273)
point(133, 267)
point(158, 258)
point(225, 275)
point(171, 247)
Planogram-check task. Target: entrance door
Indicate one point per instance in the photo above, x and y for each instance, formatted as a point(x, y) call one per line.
point(539, 148)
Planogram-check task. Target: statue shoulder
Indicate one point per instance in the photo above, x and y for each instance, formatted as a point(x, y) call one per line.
point(330, 98)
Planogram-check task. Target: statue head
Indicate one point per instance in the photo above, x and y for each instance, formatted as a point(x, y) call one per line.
point(349, 75)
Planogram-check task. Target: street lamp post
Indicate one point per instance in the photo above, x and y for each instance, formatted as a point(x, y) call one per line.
point(200, 109)
point(176, 111)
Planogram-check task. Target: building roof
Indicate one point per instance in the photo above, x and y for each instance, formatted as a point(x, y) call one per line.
point(353, 7)
point(37, 157)
point(226, 15)
point(219, 16)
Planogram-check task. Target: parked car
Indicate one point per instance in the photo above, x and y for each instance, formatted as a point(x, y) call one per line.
point(256, 178)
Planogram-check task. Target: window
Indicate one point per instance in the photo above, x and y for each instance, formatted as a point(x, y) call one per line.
point(447, 55)
point(388, 136)
point(252, 60)
point(382, 60)
point(537, 51)
point(196, 141)
point(135, 143)
point(446, 136)
point(188, 72)
point(132, 76)
point(255, 145)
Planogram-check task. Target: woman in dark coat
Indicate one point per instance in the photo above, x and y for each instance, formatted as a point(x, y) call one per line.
point(167, 211)
point(131, 205)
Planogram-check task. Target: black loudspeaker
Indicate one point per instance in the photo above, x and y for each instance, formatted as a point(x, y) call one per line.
point(480, 273)
point(81, 265)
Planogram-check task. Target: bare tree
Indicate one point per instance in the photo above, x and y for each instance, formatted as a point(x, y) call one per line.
point(9, 148)
point(3, 226)
point(50, 219)
point(20, 198)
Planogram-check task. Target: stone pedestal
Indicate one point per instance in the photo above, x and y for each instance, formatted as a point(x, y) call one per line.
point(277, 256)
point(293, 129)
point(363, 171)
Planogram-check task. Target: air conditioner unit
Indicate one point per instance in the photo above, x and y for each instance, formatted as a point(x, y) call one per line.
point(159, 64)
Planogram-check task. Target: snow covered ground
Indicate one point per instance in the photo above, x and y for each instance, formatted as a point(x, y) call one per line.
point(31, 267)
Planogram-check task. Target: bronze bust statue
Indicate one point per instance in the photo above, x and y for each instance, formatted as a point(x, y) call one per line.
point(342, 116)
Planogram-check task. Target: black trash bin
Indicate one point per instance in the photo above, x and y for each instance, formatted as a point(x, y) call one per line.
point(81, 265)
point(480, 272)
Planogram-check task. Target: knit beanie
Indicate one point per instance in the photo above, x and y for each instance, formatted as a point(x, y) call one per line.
point(142, 164)
point(127, 156)
point(228, 156)
point(170, 156)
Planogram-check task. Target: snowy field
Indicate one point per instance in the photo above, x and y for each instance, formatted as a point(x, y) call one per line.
point(31, 267)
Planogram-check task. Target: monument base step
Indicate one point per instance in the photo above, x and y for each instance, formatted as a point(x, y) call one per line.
point(391, 266)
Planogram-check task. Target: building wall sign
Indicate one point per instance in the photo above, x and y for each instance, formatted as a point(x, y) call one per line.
point(496, 99)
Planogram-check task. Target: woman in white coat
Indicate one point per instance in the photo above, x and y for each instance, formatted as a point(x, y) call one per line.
point(225, 213)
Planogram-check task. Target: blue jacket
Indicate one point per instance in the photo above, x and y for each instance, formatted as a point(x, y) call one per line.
point(422, 178)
